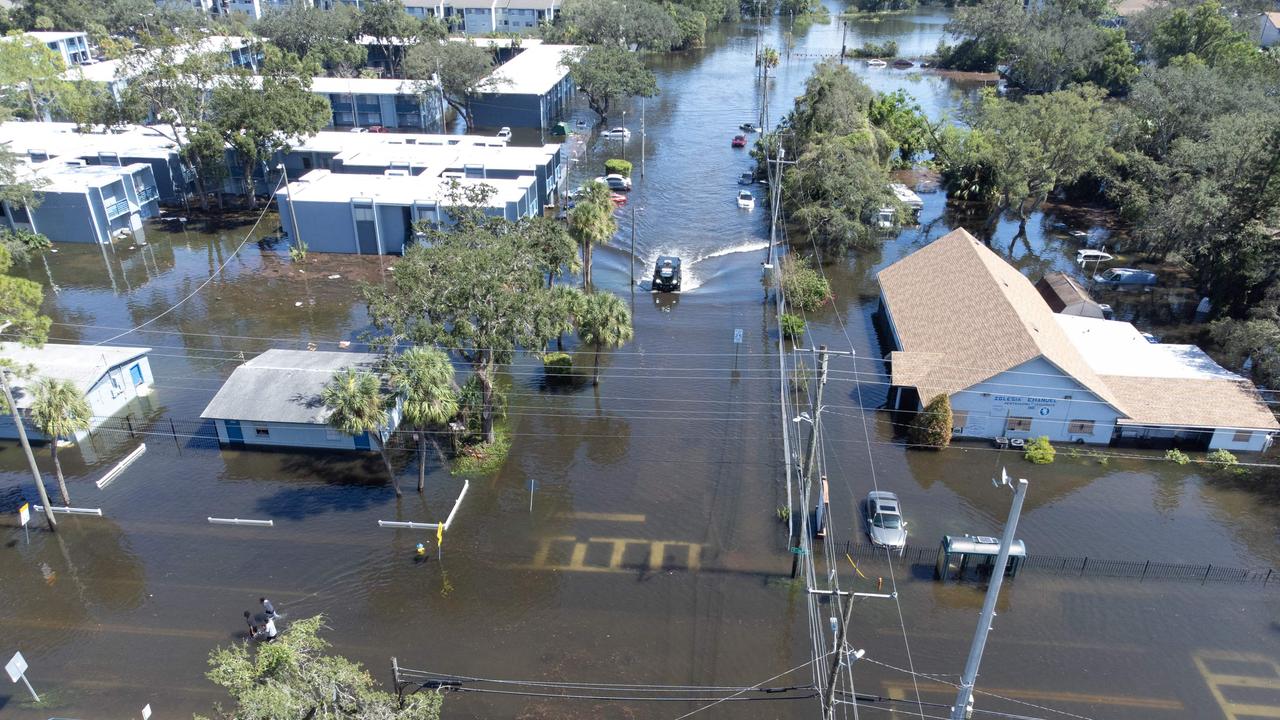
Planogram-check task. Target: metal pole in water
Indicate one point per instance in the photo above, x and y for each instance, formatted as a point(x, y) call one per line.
point(963, 709)
point(633, 246)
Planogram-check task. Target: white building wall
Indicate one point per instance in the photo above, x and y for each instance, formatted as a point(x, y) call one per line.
point(1055, 405)
point(117, 388)
point(1270, 34)
point(1225, 439)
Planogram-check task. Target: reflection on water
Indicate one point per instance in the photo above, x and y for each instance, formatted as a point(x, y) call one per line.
point(676, 449)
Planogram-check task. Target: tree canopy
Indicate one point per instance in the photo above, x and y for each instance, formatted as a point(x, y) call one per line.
point(461, 69)
point(294, 677)
point(606, 73)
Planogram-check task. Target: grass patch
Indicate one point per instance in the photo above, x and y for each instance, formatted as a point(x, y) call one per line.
point(484, 458)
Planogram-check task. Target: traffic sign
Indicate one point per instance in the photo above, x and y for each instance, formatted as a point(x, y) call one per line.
point(24, 513)
point(17, 667)
point(146, 712)
point(737, 336)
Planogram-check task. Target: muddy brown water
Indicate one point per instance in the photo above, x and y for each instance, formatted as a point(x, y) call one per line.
point(652, 554)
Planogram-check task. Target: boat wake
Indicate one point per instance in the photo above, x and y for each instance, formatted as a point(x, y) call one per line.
point(743, 248)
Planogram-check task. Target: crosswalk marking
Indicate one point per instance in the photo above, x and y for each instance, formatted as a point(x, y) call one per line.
point(655, 558)
point(1247, 671)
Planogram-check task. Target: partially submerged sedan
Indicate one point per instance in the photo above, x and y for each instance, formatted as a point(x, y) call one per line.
point(885, 525)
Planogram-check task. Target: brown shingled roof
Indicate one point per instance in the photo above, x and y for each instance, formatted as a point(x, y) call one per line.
point(963, 315)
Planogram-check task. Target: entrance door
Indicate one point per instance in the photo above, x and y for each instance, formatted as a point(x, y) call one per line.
point(366, 229)
point(135, 374)
point(234, 435)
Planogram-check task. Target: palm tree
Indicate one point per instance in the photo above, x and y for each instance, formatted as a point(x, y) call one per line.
point(59, 409)
point(603, 321)
point(357, 406)
point(424, 376)
point(591, 222)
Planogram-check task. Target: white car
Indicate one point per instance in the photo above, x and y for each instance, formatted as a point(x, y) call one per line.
point(615, 182)
point(358, 130)
point(504, 133)
point(746, 200)
point(618, 132)
point(885, 525)
point(1088, 256)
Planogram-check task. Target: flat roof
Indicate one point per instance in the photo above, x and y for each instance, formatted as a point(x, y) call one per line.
point(436, 159)
point(325, 186)
point(83, 365)
point(56, 138)
point(65, 175)
point(363, 86)
point(1113, 347)
point(107, 70)
point(283, 386)
point(533, 72)
point(337, 141)
point(49, 36)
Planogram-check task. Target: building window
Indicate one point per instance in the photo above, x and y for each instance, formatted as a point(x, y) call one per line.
point(1242, 436)
point(959, 420)
point(1017, 424)
point(1080, 427)
point(306, 163)
point(262, 432)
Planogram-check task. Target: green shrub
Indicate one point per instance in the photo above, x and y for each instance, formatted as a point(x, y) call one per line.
point(872, 50)
point(484, 458)
point(557, 366)
point(298, 252)
point(1221, 459)
point(1177, 456)
point(784, 513)
point(614, 166)
point(931, 427)
point(803, 286)
point(1039, 451)
point(792, 326)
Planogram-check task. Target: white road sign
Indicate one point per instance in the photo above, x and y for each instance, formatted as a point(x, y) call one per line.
point(16, 667)
point(24, 514)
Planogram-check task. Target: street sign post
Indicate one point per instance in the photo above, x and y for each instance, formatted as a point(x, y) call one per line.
point(737, 336)
point(24, 514)
point(146, 712)
point(533, 485)
point(17, 669)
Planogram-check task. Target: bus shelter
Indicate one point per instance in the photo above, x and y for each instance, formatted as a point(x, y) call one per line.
point(960, 553)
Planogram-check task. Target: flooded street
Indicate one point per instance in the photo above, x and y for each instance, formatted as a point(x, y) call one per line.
point(653, 553)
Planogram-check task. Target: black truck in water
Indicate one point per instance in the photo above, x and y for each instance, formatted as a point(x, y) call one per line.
point(666, 274)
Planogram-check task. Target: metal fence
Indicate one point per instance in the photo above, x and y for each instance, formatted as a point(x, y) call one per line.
point(1082, 566)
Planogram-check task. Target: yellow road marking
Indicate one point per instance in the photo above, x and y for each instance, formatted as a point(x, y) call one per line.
point(899, 691)
point(1269, 679)
point(603, 517)
point(617, 552)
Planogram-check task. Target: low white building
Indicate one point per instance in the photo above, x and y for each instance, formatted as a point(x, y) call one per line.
point(966, 324)
point(109, 376)
point(374, 214)
point(1269, 29)
point(72, 47)
point(82, 203)
point(274, 400)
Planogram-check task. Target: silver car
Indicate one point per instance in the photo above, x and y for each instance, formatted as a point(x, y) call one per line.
point(885, 525)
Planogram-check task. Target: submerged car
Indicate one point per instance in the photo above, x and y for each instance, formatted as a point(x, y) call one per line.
point(504, 133)
point(1125, 276)
point(615, 182)
point(618, 132)
point(739, 141)
point(746, 199)
point(885, 525)
point(1088, 256)
point(666, 274)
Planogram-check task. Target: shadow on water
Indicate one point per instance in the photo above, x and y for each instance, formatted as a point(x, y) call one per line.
point(348, 483)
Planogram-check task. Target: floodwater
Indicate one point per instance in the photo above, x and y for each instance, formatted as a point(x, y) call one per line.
point(651, 552)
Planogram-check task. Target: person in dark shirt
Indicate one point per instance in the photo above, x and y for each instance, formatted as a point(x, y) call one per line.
point(253, 629)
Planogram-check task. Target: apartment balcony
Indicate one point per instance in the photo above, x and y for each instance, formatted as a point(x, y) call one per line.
point(118, 208)
point(147, 194)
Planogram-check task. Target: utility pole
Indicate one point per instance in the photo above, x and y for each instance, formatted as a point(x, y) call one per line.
point(828, 699)
point(844, 26)
point(633, 247)
point(26, 445)
point(642, 144)
point(963, 709)
point(775, 190)
point(810, 453)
